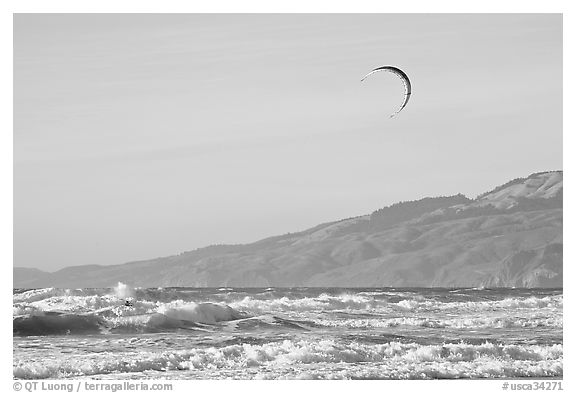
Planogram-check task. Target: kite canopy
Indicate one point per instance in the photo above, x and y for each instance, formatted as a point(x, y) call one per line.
point(402, 75)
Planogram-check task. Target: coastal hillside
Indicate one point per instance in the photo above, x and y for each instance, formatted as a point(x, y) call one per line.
point(510, 236)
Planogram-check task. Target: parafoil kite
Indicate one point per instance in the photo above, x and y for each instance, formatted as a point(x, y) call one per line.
point(402, 75)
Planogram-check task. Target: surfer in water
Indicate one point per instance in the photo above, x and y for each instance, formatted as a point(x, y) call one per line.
point(128, 303)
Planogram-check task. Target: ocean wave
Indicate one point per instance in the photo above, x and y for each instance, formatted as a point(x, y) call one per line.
point(390, 360)
point(200, 313)
point(35, 295)
point(52, 323)
point(314, 333)
point(173, 315)
point(466, 322)
point(354, 311)
point(532, 302)
point(147, 299)
point(365, 301)
point(322, 302)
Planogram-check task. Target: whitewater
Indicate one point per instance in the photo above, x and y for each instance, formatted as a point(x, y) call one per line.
point(287, 333)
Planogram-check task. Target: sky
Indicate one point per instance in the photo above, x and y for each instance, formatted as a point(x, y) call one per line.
point(145, 135)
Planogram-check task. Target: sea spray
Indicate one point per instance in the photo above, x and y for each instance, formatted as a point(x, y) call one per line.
point(123, 291)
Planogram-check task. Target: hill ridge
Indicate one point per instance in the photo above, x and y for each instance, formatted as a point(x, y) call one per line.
point(434, 241)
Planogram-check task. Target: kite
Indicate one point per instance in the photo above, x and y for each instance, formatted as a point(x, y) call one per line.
point(402, 75)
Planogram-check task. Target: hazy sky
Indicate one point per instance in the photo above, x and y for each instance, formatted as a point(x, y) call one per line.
point(137, 136)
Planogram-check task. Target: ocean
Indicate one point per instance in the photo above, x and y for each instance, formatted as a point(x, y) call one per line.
point(286, 333)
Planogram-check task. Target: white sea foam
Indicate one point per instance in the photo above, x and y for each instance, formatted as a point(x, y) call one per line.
point(280, 304)
point(459, 322)
point(285, 333)
point(324, 302)
point(390, 360)
point(367, 302)
point(408, 304)
point(40, 294)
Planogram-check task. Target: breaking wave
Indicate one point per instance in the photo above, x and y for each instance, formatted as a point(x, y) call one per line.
point(447, 322)
point(392, 360)
point(40, 323)
point(55, 312)
point(76, 311)
point(363, 302)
